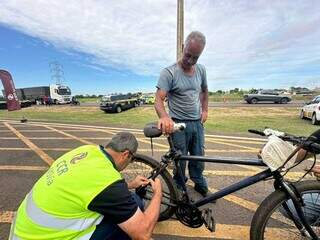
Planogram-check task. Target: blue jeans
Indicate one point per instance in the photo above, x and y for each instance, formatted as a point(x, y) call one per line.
point(107, 230)
point(311, 208)
point(191, 141)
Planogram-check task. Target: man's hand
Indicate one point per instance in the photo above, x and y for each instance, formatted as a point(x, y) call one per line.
point(156, 186)
point(204, 116)
point(141, 224)
point(137, 182)
point(316, 171)
point(166, 125)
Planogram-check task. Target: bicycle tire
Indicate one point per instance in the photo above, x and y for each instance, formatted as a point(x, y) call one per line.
point(270, 209)
point(143, 166)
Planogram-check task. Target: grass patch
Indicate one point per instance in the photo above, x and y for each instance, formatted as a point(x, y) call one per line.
point(84, 115)
point(89, 100)
point(229, 120)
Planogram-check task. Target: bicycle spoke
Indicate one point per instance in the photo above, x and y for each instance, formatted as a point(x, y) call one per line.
point(165, 195)
point(144, 166)
point(279, 226)
point(317, 197)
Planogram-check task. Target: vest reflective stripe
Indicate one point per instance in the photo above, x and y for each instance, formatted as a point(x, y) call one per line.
point(12, 236)
point(46, 220)
point(87, 236)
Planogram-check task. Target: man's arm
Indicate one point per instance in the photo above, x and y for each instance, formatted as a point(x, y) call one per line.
point(303, 154)
point(204, 99)
point(141, 224)
point(165, 122)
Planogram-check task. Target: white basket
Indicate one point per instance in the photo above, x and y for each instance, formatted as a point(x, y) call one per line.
point(276, 152)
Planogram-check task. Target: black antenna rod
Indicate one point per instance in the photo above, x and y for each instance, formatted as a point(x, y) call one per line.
point(151, 147)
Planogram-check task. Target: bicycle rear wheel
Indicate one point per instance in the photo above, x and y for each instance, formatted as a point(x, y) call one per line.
point(143, 166)
point(271, 222)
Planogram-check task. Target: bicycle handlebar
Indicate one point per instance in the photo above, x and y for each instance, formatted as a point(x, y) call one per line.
point(151, 129)
point(256, 132)
point(311, 146)
point(179, 126)
point(308, 143)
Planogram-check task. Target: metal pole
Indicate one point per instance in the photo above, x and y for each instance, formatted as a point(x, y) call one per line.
point(180, 23)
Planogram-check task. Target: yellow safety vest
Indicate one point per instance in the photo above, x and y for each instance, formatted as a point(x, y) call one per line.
point(57, 206)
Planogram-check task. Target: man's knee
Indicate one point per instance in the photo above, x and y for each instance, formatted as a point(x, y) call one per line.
point(139, 201)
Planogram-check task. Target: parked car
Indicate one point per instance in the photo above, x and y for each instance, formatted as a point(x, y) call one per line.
point(23, 104)
point(311, 110)
point(148, 99)
point(266, 96)
point(3, 104)
point(120, 102)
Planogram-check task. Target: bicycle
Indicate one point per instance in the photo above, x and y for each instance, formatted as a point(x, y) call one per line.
point(274, 212)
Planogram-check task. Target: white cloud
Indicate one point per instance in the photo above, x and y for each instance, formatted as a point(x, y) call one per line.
point(244, 38)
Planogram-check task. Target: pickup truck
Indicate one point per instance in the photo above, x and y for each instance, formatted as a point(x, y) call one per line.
point(266, 96)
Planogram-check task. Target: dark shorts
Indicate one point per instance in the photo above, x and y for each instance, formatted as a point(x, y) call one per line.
point(107, 230)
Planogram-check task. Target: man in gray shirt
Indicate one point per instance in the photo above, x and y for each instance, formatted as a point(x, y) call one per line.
point(184, 84)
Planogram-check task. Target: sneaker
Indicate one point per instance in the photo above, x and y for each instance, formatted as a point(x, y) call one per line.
point(201, 190)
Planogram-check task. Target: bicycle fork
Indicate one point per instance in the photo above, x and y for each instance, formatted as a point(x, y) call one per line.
point(297, 201)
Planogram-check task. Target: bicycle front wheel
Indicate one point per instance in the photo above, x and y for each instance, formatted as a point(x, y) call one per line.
point(143, 166)
point(271, 221)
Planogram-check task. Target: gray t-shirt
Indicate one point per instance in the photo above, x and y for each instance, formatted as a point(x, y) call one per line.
point(183, 91)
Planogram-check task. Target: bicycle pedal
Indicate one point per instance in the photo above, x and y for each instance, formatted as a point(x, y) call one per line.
point(207, 217)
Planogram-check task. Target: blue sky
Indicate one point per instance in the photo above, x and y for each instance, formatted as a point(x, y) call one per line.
point(121, 46)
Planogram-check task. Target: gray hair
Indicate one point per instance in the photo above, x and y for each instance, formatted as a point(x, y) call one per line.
point(123, 141)
point(197, 36)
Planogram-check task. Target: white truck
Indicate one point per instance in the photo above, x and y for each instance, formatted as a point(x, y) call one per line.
point(58, 94)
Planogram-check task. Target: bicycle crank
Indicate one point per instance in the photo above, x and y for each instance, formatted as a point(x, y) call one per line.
point(207, 216)
point(189, 215)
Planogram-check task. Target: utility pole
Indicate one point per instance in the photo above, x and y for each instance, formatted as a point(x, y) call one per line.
point(180, 26)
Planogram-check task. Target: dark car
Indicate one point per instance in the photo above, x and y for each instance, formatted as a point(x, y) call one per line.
point(120, 102)
point(266, 96)
point(3, 104)
point(23, 103)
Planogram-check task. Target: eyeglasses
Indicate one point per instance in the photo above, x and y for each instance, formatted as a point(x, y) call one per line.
point(130, 156)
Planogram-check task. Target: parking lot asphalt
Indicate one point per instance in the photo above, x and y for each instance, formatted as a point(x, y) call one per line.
point(28, 149)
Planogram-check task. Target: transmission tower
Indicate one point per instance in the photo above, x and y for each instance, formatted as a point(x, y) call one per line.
point(57, 74)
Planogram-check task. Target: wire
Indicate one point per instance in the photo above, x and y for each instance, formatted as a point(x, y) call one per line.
point(307, 171)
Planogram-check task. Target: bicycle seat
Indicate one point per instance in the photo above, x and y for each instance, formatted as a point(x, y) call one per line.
point(151, 130)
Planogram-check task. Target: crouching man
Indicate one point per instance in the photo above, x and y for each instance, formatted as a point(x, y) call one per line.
point(83, 196)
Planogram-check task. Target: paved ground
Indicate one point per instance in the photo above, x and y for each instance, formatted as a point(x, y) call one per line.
point(26, 151)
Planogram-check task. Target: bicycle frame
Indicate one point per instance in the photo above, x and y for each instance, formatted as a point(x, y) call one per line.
point(234, 187)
